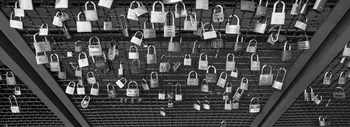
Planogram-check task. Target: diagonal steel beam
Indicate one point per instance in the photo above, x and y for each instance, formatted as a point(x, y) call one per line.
point(280, 101)
point(28, 57)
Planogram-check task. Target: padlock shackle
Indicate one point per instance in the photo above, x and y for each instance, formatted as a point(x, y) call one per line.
point(71, 83)
point(16, 5)
point(139, 32)
point(262, 69)
point(57, 58)
point(149, 49)
point(319, 98)
point(85, 99)
point(34, 37)
point(195, 73)
point(137, 86)
point(189, 15)
point(218, 6)
point(228, 56)
point(94, 37)
point(145, 24)
point(206, 57)
point(285, 46)
point(237, 39)
point(9, 72)
point(296, 2)
point(44, 24)
point(80, 85)
point(208, 23)
point(252, 56)
point(255, 99)
point(330, 74)
point(90, 72)
point(162, 57)
point(109, 84)
point(104, 57)
point(183, 5)
point(274, 36)
point(228, 100)
point(300, 17)
point(154, 72)
point(284, 75)
point(342, 74)
point(245, 79)
point(172, 16)
point(187, 56)
point(237, 90)
point(98, 85)
point(133, 47)
point(208, 69)
point(253, 40)
point(82, 53)
point(275, 5)
point(76, 43)
point(154, 5)
point(135, 60)
point(178, 84)
point(267, 3)
point(194, 46)
point(339, 88)
point(17, 88)
point(322, 118)
point(14, 98)
point(223, 73)
point(11, 17)
point(132, 3)
point(86, 5)
point(229, 18)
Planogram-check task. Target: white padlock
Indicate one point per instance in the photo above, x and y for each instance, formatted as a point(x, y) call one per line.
point(209, 34)
point(202, 4)
point(203, 64)
point(55, 65)
point(158, 16)
point(190, 24)
point(278, 18)
point(137, 40)
point(80, 89)
point(19, 12)
point(44, 31)
point(41, 59)
point(14, 107)
point(26, 4)
point(133, 54)
point(105, 3)
point(300, 24)
point(218, 16)
point(83, 26)
point(169, 29)
point(131, 13)
point(278, 83)
point(83, 62)
point(244, 84)
point(18, 24)
point(70, 88)
point(91, 15)
point(180, 13)
point(10, 78)
point(61, 4)
point(230, 64)
point(95, 49)
point(254, 65)
point(232, 29)
point(95, 91)
point(187, 60)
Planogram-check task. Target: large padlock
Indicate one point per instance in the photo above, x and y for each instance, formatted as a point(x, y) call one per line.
point(42, 46)
point(80, 89)
point(304, 44)
point(211, 77)
point(135, 66)
point(327, 79)
point(278, 18)
point(83, 62)
point(235, 104)
point(95, 91)
point(319, 5)
point(133, 92)
point(230, 64)
point(158, 16)
point(145, 85)
point(121, 82)
point(10, 78)
point(204, 86)
point(218, 16)
point(105, 3)
point(178, 92)
point(70, 88)
point(301, 24)
point(210, 34)
point(222, 79)
point(142, 9)
point(239, 44)
point(171, 1)
point(78, 46)
point(174, 46)
point(85, 102)
point(90, 77)
point(137, 40)
point(217, 42)
point(296, 7)
point(61, 4)
point(191, 23)
point(254, 106)
point(244, 84)
point(286, 53)
point(187, 60)
point(252, 46)
point(164, 65)
point(322, 121)
point(192, 81)
point(124, 25)
point(203, 64)
point(95, 49)
point(260, 27)
point(197, 105)
point(151, 57)
point(342, 78)
point(339, 93)
point(254, 65)
point(304, 8)
point(228, 88)
point(41, 59)
point(238, 95)
point(148, 32)
point(247, 5)
point(228, 105)
point(261, 10)
point(169, 29)
point(202, 4)
point(199, 31)
point(133, 52)
point(14, 107)
point(91, 15)
point(108, 24)
point(232, 29)
point(131, 13)
point(278, 83)
point(44, 30)
point(266, 78)
point(234, 73)
point(18, 24)
point(19, 12)
point(26, 4)
point(112, 93)
point(55, 65)
point(181, 12)
point(17, 91)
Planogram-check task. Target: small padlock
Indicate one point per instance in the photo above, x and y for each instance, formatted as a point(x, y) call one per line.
point(339, 93)
point(83, 26)
point(230, 64)
point(170, 104)
point(14, 107)
point(304, 8)
point(57, 21)
point(19, 12)
point(322, 121)
point(234, 73)
point(238, 95)
point(18, 24)
point(161, 94)
point(296, 7)
point(154, 79)
point(137, 40)
point(239, 44)
point(252, 46)
point(244, 84)
point(209, 34)
point(202, 4)
point(228, 105)
point(274, 37)
point(228, 88)
point(217, 43)
point(211, 77)
point(62, 74)
point(162, 112)
point(105, 3)
point(206, 105)
point(108, 24)
point(41, 59)
point(142, 9)
point(174, 46)
point(205, 86)
point(304, 44)
point(135, 66)
point(254, 65)
point(266, 79)
point(131, 13)
point(151, 58)
point(41, 46)
point(80, 89)
point(169, 29)
point(120, 69)
point(222, 80)
point(112, 94)
point(199, 31)
point(85, 102)
point(342, 78)
point(10, 78)
point(197, 105)
point(149, 32)
point(192, 81)
point(327, 79)
point(78, 47)
point(248, 5)
point(91, 15)
point(203, 64)
point(319, 5)
point(180, 13)
point(306, 95)
point(223, 124)
point(261, 10)
point(218, 16)
point(318, 99)
point(55, 65)
point(232, 29)
point(121, 82)
point(145, 85)
point(278, 83)
point(254, 108)
point(70, 88)
point(133, 52)
point(286, 54)
point(95, 49)
point(187, 60)
point(95, 91)
point(260, 27)
point(235, 104)
point(191, 24)
point(164, 65)
point(301, 24)
point(158, 16)
point(78, 71)
point(44, 30)
point(124, 25)
point(178, 92)
point(278, 18)
point(17, 91)
point(90, 77)
point(312, 94)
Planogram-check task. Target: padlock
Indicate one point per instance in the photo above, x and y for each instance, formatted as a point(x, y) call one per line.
point(278, 83)
point(199, 31)
point(178, 92)
point(100, 61)
point(121, 82)
point(14, 107)
point(274, 37)
point(26, 4)
point(306, 95)
point(61, 4)
point(78, 47)
point(266, 79)
point(211, 77)
point(70, 88)
point(339, 93)
point(135, 66)
point(158, 16)
point(205, 86)
point(148, 32)
point(230, 64)
point(161, 94)
point(175, 46)
point(239, 44)
point(304, 44)
point(83, 62)
point(78, 71)
point(234, 73)
point(312, 94)
point(80, 89)
point(209, 34)
point(203, 64)
point(222, 80)
point(170, 104)
point(95, 91)
point(44, 30)
point(228, 88)
point(247, 5)
point(278, 18)
point(17, 91)
point(164, 65)
point(10, 78)
point(322, 121)
point(254, 65)
point(192, 81)
point(218, 16)
point(91, 15)
point(41, 59)
point(57, 21)
point(301, 24)
point(90, 77)
point(195, 47)
point(191, 23)
point(244, 84)
point(171, 1)
point(142, 9)
point(202, 4)
point(105, 3)
point(62, 74)
point(304, 8)
point(124, 25)
point(238, 95)
point(217, 43)
point(181, 12)
point(254, 106)
point(131, 13)
point(286, 54)
point(55, 65)
point(133, 52)
point(137, 40)
point(206, 105)
point(228, 104)
point(170, 91)
point(85, 102)
point(252, 46)
point(112, 94)
point(112, 51)
point(223, 124)
point(19, 12)
point(342, 78)
point(197, 105)
point(232, 29)
point(162, 112)
point(260, 27)
point(169, 29)
point(151, 58)
point(187, 60)
point(108, 24)
point(145, 85)
point(327, 79)
point(296, 7)
point(261, 10)
point(346, 51)
point(42, 46)
point(318, 99)
point(95, 49)
point(120, 69)
point(154, 81)
point(319, 5)
point(176, 66)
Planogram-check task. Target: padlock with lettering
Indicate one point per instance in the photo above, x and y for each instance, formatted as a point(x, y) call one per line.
point(151, 57)
point(190, 22)
point(199, 31)
point(228, 88)
point(80, 89)
point(42, 46)
point(44, 30)
point(239, 44)
point(304, 8)
point(247, 5)
point(70, 88)
point(95, 91)
point(10, 78)
point(232, 29)
point(154, 81)
point(142, 9)
point(286, 53)
point(55, 65)
point(301, 24)
point(61, 4)
point(85, 102)
point(234, 73)
point(296, 7)
point(244, 84)
point(175, 46)
point(148, 32)
point(164, 65)
point(266, 78)
point(319, 5)
point(41, 59)
point(192, 81)
point(254, 106)
point(95, 49)
point(121, 82)
point(217, 42)
point(78, 46)
point(278, 83)
point(108, 24)
point(131, 13)
point(83, 62)
point(211, 77)
point(161, 94)
point(162, 112)
point(133, 52)
point(171, 1)
point(228, 104)
point(202, 4)
point(135, 66)
point(230, 64)
point(238, 95)
point(124, 25)
point(254, 65)
point(18, 24)
point(105, 3)
point(91, 15)
point(78, 71)
point(206, 105)
point(203, 64)
point(322, 121)
point(252, 46)
point(210, 34)
point(19, 12)
point(90, 77)
point(278, 18)
point(14, 107)
point(260, 26)
point(112, 94)
point(261, 10)
point(169, 29)
point(218, 16)
point(327, 79)
point(178, 92)
point(182, 12)
point(342, 78)
point(339, 93)
point(137, 40)
point(17, 91)
point(158, 16)
point(145, 85)
point(187, 60)
point(304, 44)
point(318, 99)
point(222, 79)
point(26, 4)
point(197, 105)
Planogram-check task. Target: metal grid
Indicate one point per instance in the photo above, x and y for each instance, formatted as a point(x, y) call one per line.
point(110, 112)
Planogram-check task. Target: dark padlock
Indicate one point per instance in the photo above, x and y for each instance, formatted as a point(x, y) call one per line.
point(164, 65)
point(339, 93)
point(174, 46)
point(99, 61)
point(248, 5)
point(217, 42)
point(239, 44)
point(124, 28)
point(211, 77)
point(287, 53)
point(261, 10)
point(135, 66)
point(304, 8)
point(112, 94)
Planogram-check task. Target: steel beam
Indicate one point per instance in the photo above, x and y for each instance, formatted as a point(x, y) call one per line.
point(303, 71)
point(28, 57)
